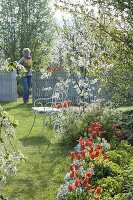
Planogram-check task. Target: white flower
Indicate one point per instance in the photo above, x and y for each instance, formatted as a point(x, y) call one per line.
point(67, 177)
point(86, 95)
point(2, 181)
point(47, 89)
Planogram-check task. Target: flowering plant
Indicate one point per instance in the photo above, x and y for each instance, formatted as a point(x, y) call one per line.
point(13, 66)
point(9, 157)
point(79, 182)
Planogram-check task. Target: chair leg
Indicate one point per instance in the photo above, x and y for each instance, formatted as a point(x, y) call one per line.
point(33, 123)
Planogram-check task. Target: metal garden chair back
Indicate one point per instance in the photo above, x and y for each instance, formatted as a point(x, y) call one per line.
point(50, 106)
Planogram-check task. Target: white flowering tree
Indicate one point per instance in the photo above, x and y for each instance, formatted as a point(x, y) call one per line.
point(97, 42)
point(80, 45)
point(10, 157)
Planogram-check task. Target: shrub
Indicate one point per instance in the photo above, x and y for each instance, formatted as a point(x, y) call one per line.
point(73, 124)
point(110, 185)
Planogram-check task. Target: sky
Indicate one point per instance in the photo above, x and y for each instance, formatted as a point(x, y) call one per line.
point(58, 15)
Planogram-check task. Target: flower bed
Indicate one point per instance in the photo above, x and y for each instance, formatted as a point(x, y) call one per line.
point(92, 173)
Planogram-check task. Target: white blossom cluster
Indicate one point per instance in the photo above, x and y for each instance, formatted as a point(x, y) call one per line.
point(9, 158)
point(8, 66)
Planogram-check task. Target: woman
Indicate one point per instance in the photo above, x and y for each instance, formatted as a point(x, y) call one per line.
point(26, 61)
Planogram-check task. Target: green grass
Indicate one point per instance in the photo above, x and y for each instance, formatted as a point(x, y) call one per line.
point(41, 174)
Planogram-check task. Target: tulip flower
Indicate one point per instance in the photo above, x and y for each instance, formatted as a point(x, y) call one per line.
point(98, 189)
point(88, 186)
point(88, 174)
point(71, 187)
point(79, 156)
point(73, 154)
point(77, 182)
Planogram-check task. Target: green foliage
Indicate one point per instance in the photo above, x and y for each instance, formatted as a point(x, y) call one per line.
point(120, 196)
point(79, 195)
point(73, 124)
point(130, 140)
point(70, 127)
point(28, 24)
point(105, 168)
point(119, 156)
point(110, 185)
point(126, 120)
point(19, 89)
point(119, 184)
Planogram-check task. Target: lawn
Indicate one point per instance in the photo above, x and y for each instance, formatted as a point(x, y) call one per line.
point(42, 172)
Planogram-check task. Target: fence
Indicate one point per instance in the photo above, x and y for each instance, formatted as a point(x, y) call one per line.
point(38, 85)
point(8, 87)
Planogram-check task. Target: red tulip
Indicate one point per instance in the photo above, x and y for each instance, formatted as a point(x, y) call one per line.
point(77, 182)
point(71, 187)
point(102, 151)
point(65, 104)
point(95, 124)
point(83, 153)
point(91, 149)
point(98, 189)
point(73, 154)
point(106, 156)
point(92, 155)
point(81, 140)
point(82, 146)
point(91, 139)
point(58, 105)
point(88, 143)
point(101, 133)
point(114, 126)
point(73, 173)
point(76, 166)
point(88, 186)
point(90, 130)
point(94, 133)
point(85, 182)
point(98, 147)
point(78, 156)
point(97, 197)
point(88, 174)
point(96, 128)
point(96, 154)
point(72, 167)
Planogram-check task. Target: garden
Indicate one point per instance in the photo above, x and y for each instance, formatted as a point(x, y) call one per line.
point(91, 160)
point(86, 153)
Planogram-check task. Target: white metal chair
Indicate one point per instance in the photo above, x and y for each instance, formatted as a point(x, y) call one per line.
point(49, 107)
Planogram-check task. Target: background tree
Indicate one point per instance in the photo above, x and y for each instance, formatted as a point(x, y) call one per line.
point(25, 24)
